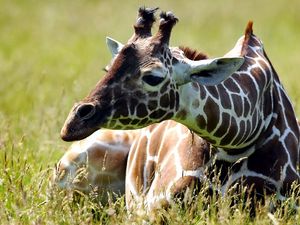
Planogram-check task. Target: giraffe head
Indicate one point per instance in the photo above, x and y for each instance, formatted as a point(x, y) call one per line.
point(141, 86)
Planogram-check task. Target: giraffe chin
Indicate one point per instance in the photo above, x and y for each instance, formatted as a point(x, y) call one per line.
point(78, 135)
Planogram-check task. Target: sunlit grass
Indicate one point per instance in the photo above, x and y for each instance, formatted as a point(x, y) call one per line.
point(52, 53)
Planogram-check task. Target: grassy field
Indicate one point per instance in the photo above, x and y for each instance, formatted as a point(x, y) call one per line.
point(52, 53)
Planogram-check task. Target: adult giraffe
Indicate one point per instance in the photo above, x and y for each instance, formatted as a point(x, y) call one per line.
point(247, 117)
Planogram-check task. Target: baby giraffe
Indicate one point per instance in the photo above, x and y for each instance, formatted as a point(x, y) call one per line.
point(164, 160)
point(97, 163)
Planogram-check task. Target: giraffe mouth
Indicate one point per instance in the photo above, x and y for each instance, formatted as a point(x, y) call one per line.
point(76, 128)
point(76, 136)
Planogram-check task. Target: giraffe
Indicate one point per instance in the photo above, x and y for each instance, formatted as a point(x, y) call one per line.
point(235, 102)
point(171, 161)
point(97, 163)
point(165, 160)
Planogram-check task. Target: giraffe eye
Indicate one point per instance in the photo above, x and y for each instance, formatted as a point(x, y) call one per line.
point(152, 80)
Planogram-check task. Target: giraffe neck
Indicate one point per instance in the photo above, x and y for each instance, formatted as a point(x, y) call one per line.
point(233, 114)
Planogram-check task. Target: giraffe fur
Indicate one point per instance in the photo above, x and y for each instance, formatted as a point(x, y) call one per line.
point(157, 170)
point(99, 163)
point(235, 102)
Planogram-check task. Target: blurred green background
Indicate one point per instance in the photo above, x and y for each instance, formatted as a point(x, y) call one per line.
point(52, 53)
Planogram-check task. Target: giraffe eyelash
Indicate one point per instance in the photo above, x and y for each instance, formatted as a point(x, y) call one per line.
point(152, 80)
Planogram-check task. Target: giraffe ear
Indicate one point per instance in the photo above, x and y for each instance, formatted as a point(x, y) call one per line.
point(214, 71)
point(113, 46)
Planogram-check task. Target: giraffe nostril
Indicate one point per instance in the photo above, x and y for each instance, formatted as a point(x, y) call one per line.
point(85, 111)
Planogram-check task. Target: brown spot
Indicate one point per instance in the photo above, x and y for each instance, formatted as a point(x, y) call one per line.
point(167, 116)
point(141, 111)
point(157, 114)
point(237, 100)
point(225, 100)
point(172, 99)
point(164, 100)
point(201, 122)
point(177, 100)
point(134, 122)
point(121, 106)
point(202, 91)
point(143, 122)
point(152, 104)
point(125, 121)
point(246, 108)
point(212, 111)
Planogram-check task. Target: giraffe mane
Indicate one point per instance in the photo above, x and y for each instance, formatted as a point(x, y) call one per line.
point(193, 54)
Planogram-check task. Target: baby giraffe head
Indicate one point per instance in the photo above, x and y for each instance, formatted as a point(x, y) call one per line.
point(141, 86)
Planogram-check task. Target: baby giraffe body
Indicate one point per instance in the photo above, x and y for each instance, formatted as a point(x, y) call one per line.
point(158, 169)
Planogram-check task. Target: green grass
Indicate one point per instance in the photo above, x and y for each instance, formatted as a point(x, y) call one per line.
point(52, 53)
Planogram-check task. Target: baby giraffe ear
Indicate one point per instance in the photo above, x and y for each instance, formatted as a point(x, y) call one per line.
point(212, 71)
point(113, 46)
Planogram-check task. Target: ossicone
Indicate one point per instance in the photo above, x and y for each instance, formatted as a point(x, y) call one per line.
point(166, 23)
point(144, 22)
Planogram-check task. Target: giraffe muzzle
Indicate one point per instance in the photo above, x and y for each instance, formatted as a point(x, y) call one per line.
point(83, 120)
